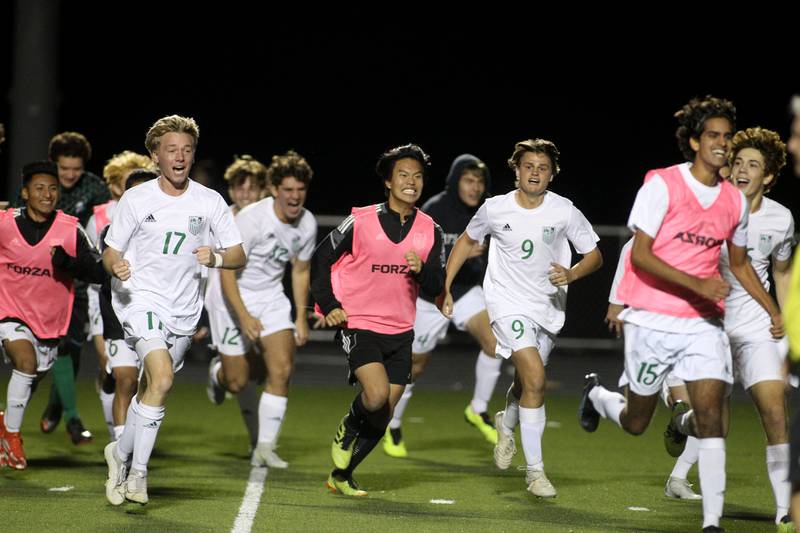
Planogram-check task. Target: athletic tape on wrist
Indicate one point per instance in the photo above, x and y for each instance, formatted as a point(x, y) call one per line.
point(217, 260)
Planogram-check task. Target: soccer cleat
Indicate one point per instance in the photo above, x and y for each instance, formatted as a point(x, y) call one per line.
point(342, 446)
point(483, 422)
point(538, 484)
point(674, 440)
point(50, 418)
point(680, 489)
point(264, 455)
point(713, 529)
point(393, 443)
point(216, 394)
point(115, 490)
point(346, 486)
point(136, 487)
point(505, 449)
point(77, 433)
point(15, 454)
point(588, 416)
point(786, 525)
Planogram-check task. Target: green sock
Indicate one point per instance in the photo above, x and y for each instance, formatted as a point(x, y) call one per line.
point(64, 384)
point(54, 400)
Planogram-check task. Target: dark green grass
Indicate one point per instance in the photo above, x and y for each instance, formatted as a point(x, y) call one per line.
point(199, 472)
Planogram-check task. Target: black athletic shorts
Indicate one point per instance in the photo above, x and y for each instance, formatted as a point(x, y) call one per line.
point(794, 450)
point(394, 351)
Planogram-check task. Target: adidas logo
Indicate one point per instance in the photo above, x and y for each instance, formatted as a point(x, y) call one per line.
point(152, 424)
point(150, 218)
point(507, 227)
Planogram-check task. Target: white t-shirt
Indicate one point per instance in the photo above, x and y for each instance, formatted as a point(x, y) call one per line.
point(770, 234)
point(612, 295)
point(524, 243)
point(163, 231)
point(647, 215)
point(269, 244)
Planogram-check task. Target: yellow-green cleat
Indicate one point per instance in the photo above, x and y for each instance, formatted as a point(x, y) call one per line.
point(342, 446)
point(345, 486)
point(483, 423)
point(393, 443)
point(786, 525)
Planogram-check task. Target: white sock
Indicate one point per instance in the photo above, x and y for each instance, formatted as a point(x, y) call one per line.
point(17, 396)
point(531, 428)
point(271, 409)
point(125, 440)
point(608, 404)
point(711, 467)
point(150, 418)
point(215, 373)
point(511, 416)
point(778, 471)
point(118, 432)
point(399, 409)
point(686, 460)
point(487, 370)
point(107, 401)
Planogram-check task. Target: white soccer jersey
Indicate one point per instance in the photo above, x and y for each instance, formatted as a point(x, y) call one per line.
point(163, 232)
point(612, 294)
point(524, 243)
point(269, 244)
point(770, 234)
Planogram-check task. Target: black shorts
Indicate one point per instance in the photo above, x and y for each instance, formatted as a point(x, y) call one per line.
point(794, 449)
point(394, 351)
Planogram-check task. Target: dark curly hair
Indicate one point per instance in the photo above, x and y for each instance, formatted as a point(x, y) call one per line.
point(69, 144)
point(692, 119)
point(289, 164)
point(769, 143)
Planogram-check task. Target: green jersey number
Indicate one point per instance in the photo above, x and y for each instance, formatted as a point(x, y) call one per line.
point(647, 374)
point(518, 328)
point(178, 235)
point(527, 248)
point(234, 338)
point(150, 324)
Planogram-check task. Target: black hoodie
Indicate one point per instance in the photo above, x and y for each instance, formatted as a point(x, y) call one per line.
point(453, 215)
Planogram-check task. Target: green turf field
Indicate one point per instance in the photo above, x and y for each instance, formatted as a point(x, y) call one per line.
point(199, 472)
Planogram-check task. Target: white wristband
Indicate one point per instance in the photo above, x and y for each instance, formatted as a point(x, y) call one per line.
point(217, 260)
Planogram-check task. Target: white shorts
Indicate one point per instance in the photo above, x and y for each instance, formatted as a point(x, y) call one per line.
point(652, 355)
point(95, 318)
point(516, 332)
point(430, 325)
point(144, 332)
point(754, 362)
point(46, 351)
point(120, 354)
point(275, 315)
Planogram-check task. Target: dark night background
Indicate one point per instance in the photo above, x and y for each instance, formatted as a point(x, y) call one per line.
point(342, 84)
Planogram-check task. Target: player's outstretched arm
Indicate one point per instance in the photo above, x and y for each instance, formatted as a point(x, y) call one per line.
point(458, 256)
point(301, 281)
point(115, 265)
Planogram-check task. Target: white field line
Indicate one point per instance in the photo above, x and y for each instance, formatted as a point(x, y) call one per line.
point(252, 497)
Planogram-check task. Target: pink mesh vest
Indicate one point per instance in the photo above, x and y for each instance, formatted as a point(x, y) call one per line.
point(690, 239)
point(30, 289)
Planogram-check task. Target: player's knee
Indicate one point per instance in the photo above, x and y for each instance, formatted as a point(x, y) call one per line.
point(533, 385)
point(636, 426)
point(160, 385)
point(375, 398)
point(235, 384)
point(26, 366)
point(126, 386)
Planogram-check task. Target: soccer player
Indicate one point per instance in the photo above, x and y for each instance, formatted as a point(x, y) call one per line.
point(251, 308)
point(167, 224)
point(41, 250)
point(366, 275)
point(526, 290)
point(465, 190)
point(673, 289)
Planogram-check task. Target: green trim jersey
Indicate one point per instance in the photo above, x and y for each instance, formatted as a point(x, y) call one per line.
point(163, 232)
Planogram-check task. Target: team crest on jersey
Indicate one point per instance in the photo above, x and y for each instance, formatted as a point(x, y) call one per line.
point(548, 234)
point(196, 225)
point(295, 244)
point(765, 243)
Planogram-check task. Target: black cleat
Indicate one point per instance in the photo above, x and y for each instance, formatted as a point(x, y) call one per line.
point(588, 416)
point(50, 418)
point(674, 440)
point(77, 433)
point(713, 529)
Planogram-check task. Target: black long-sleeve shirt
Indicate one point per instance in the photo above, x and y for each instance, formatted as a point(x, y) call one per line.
point(340, 242)
point(87, 265)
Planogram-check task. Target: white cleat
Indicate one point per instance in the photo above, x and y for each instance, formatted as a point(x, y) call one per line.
point(538, 484)
point(264, 455)
point(115, 491)
point(505, 449)
point(136, 487)
point(215, 393)
point(680, 489)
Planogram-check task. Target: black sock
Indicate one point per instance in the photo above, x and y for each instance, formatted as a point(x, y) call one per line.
point(369, 437)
